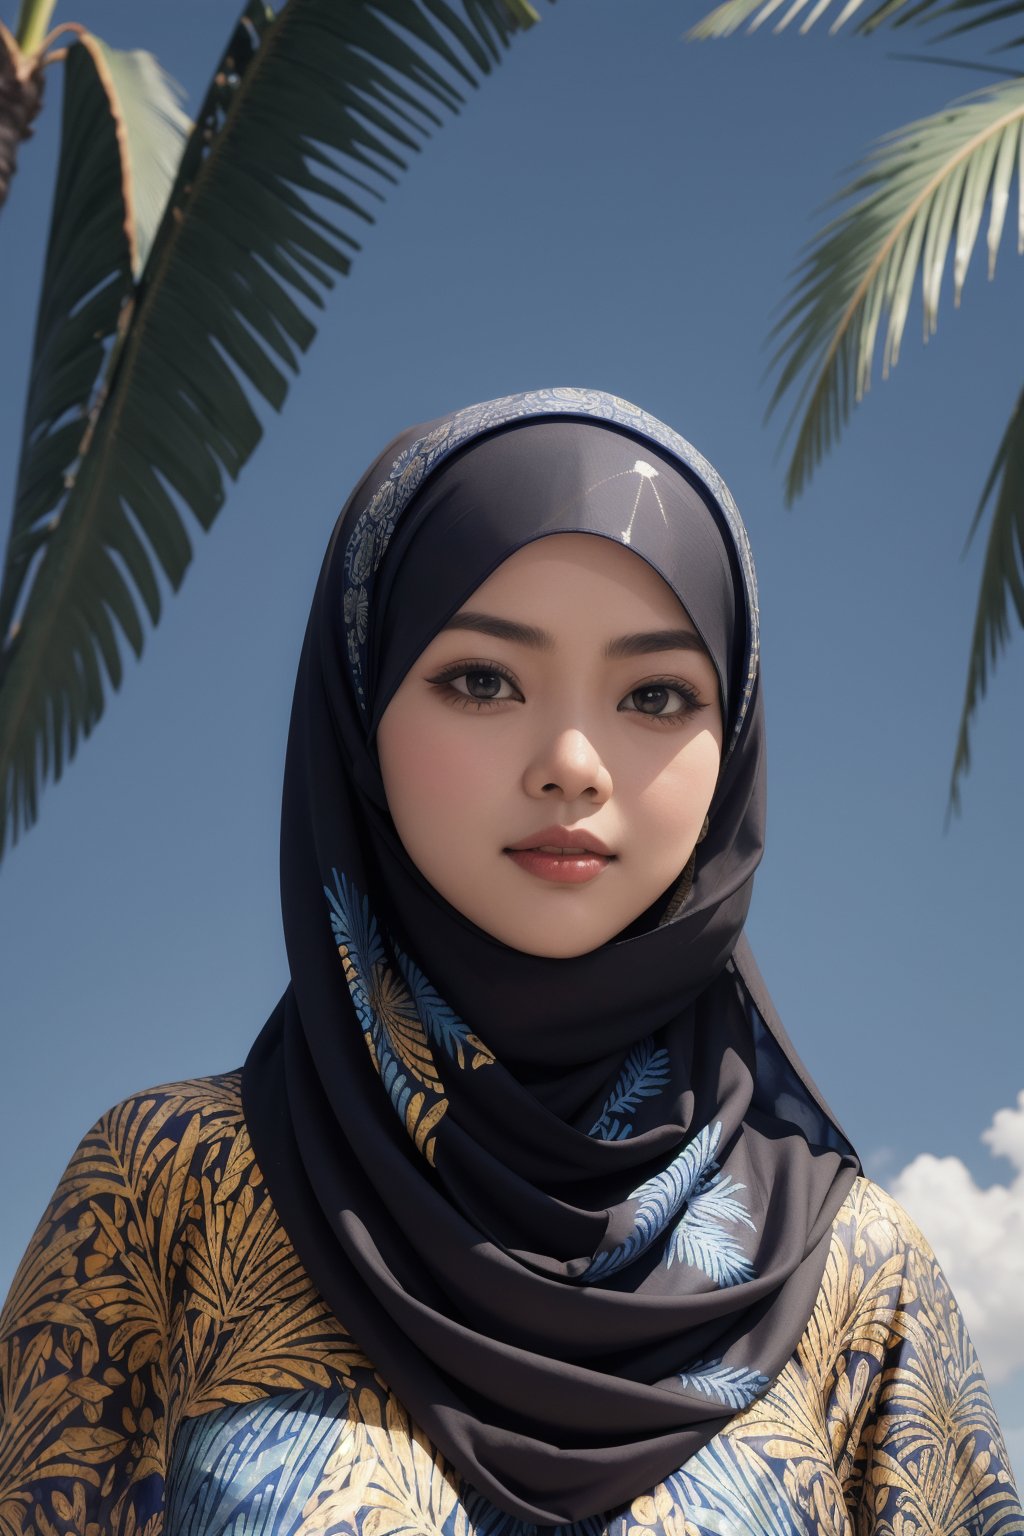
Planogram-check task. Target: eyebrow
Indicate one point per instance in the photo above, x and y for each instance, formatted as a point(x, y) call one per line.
point(642, 644)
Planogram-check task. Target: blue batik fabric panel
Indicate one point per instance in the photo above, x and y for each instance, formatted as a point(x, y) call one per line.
point(251, 1470)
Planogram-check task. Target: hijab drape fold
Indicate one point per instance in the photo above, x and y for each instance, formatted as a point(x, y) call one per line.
point(575, 1211)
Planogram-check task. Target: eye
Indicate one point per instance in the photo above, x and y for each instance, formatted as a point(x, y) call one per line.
point(470, 684)
point(482, 685)
point(670, 701)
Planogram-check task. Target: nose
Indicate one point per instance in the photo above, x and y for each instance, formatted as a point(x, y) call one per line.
point(568, 767)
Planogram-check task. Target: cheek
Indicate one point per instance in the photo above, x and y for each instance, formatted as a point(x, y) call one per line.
point(675, 802)
point(434, 773)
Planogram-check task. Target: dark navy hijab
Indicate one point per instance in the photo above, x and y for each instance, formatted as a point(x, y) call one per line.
point(575, 1211)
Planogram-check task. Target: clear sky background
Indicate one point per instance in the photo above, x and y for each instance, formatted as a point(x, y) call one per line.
point(616, 208)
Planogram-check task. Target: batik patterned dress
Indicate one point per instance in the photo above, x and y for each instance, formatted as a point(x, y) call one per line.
point(167, 1367)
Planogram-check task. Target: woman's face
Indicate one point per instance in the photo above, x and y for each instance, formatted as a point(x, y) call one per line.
point(550, 757)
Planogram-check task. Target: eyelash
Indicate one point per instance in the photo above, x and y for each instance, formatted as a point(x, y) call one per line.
point(444, 679)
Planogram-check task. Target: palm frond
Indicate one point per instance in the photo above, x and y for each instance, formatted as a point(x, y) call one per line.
point(924, 193)
point(321, 105)
point(1002, 581)
point(732, 15)
point(976, 66)
point(122, 136)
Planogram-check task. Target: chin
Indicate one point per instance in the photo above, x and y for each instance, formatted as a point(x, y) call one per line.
point(557, 938)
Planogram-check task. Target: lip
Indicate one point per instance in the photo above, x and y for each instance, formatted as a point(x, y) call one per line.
point(576, 867)
point(561, 837)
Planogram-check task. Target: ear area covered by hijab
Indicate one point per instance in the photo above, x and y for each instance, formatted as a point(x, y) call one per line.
point(576, 1211)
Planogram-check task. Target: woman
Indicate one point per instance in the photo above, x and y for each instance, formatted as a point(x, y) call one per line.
point(523, 1212)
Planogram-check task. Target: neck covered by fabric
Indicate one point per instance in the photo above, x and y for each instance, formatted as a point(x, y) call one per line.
point(576, 1211)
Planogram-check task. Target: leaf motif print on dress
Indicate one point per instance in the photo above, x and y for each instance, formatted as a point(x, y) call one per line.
point(159, 1283)
point(384, 1478)
point(880, 1422)
point(645, 1072)
point(727, 1490)
point(395, 1037)
point(659, 1201)
point(249, 1468)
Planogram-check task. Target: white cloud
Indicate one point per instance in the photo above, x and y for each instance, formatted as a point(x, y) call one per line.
point(978, 1237)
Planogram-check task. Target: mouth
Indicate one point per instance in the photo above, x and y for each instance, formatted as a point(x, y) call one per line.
point(561, 856)
point(561, 840)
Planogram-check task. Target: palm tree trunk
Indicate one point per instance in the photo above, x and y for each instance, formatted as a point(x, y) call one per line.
point(21, 95)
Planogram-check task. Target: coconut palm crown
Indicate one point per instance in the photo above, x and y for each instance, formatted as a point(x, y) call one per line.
point(185, 265)
point(919, 200)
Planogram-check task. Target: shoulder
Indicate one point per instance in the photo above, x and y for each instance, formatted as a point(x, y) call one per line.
point(145, 1164)
point(882, 1284)
point(95, 1285)
point(209, 1103)
point(874, 1255)
point(876, 1246)
point(874, 1226)
point(175, 1124)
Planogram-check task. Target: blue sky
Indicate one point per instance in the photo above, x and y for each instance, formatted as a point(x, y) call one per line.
point(615, 208)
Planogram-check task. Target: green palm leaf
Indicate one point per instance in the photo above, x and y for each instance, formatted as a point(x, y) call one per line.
point(732, 15)
point(1002, 580)
point(926, 192)
point(922, 197)
point(321, 105)
point(122, 136)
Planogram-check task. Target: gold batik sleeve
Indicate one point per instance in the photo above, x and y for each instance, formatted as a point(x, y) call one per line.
point(159, 1287)
point(910, 1415)
point(85, 1395)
